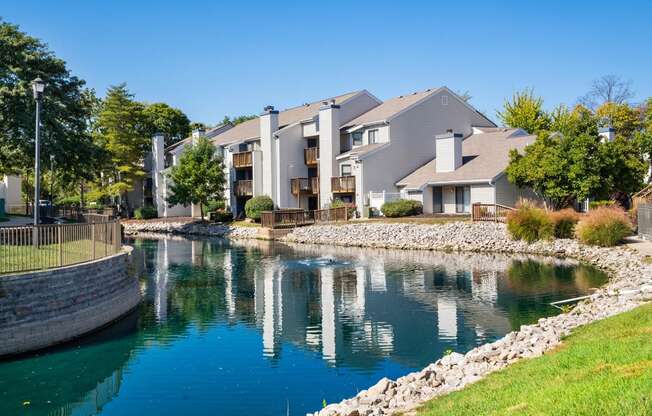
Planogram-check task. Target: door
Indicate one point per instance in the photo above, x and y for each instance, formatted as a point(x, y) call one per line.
point(462, 199)
point(312, 203)
point(437, 200)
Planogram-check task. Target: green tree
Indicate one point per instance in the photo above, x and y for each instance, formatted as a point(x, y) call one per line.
point(625, 119)
point(525, 111)
point(197, 125)
point(121, 129)
point(199, 176)
point(238, 119)
point(172, 122)
point(66, 111)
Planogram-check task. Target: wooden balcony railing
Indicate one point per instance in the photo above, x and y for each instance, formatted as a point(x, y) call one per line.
point(343, 184)
point(304, 186)
point(289, 218)
point(242, 160)
point(489, 212)
point(243, 188)
point(310, 155)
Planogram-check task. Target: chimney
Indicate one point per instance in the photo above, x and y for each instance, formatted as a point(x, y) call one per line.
point(268, 126)
point(329, 148)
point(607, 134)
point(196, 134)
point(448, 151)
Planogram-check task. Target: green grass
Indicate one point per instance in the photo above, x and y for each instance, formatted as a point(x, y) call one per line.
point(245, 224)
point(604, 368)
point(25, 258)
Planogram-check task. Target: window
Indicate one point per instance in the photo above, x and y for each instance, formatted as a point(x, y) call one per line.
point(444, 100)
point(244, 147)
point(372, 136)
point(357, 138)
point(346, 170)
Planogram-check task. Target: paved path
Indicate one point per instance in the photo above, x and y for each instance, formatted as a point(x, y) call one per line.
point(15, 220)
point(644, 247)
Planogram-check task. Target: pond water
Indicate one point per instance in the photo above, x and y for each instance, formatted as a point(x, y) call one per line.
point(263, 328)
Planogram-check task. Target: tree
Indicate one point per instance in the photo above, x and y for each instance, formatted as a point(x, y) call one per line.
point(563, 168)
point(237, 120)
point(626, 120)
point(172, 122)
point(607, 89)
point(199, 176)
point(573, 122)
point(122, 132)
point(525, 111)
point(197, 125)
point(65, 116)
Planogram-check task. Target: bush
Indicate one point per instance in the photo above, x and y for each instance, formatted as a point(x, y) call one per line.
point(530, 223)
point(220, 216)
point(258, 204)
point(604, 226)
point(564, 222)
point(401, 208)
point(145, 213)
point(215, 205)
point(598, 204)
point(351, 208)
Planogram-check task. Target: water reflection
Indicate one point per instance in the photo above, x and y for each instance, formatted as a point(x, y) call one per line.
point(269, 328)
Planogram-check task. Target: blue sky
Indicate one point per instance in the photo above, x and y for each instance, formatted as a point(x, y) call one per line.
point(227, 58)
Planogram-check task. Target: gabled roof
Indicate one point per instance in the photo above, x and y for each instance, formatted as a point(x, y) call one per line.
point(251, 129)
point(485, 156)
point(394, 106)
point(389, 108)
point(209, 134)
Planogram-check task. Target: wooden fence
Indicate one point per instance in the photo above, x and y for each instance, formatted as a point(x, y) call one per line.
point(27, 248)
point(289, 218)
point(489, 212)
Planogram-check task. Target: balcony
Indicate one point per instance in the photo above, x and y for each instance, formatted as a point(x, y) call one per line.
point(310, 155)
point(343, 184)
point(243, 188)
point(242, 160)
point(308, 186)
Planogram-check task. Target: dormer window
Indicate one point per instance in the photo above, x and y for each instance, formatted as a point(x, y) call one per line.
point(356, 138)
point(444, 100)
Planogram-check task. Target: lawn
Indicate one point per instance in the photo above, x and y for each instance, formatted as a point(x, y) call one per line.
point(604, 368)
point(26, 257)
point(245, 224)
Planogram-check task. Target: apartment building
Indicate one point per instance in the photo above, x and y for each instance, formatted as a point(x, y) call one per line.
point(342, 147)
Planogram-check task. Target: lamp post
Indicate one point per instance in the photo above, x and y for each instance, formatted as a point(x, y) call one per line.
point(37, 88)
point(51, 207)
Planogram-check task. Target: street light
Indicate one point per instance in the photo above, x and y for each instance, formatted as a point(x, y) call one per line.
point(38, 86)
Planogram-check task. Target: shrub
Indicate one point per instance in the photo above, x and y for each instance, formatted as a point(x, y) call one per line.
point(401, 208)
point(145, 213)
point(215, 205)
point(351, 208)
point(604, 226)
point(220, 216)
point(530, 223)
point(564, 222)
point(258, 204)
point(598, 204)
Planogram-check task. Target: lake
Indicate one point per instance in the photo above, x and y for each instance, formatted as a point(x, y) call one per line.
point(253, 327)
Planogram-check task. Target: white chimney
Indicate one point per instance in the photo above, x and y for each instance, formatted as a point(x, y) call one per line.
point(196, 134)
point(607, 134)
point(158, 180)
point(268, 126)
point(448, 151)
point(329, 148)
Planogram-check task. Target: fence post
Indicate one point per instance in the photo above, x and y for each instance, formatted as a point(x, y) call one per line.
point(495, 213)
point(93, 238)
point(60, 238)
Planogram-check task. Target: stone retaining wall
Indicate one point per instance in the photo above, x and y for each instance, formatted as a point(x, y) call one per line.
point(44, 308)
